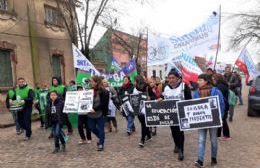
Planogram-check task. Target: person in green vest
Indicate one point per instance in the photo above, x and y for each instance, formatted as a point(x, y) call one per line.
point(72, 86)
point(41, 101)
point(25, 95)
point(61, 90)
point(10, 97)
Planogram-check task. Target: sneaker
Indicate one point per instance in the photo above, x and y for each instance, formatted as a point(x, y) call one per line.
point(26, 138)
point(19, 132)
point(56, 150)
point(176, 150)
point(100, 148)
point(214, 161)
point(225, 138)
point(199, 163)
point(50, 136)
point(141, 144)
point(181, 156)
point(230, 119)
point(82, 142)
point(63, 148)
point(148, 139)
point(128, 133)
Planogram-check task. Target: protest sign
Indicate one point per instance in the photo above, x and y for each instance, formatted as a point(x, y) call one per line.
point(78, 101)
point(126, 105)
point(85, 101)
point(162, 113)
point(199, 113)
point(71, 102)
point(136, 100)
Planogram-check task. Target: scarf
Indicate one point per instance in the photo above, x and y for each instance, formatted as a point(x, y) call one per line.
point(204, 91)
point(126, 86)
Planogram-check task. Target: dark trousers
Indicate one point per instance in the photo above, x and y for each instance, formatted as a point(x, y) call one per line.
point(145, 131)
point(58, 134)
point(178, 137)
point(83, 123)
point(37, 106)
point(97, 126)
point(67, 122)
point(25, 120)
point(113, 119)
point(225, 129)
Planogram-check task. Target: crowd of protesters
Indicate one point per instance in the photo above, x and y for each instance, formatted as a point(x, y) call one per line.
point(107, 102)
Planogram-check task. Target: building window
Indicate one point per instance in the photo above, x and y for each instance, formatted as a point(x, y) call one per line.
point(3, 5)
point(6, 79)
point(161, 74)
point(56, 66)
point(52, 16)
point(154, 73)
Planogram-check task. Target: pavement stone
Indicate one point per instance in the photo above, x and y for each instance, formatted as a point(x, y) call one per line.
point(243, 151)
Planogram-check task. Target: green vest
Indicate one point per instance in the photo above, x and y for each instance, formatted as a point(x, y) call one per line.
point(60, 89)
point(43, 100)
point(11, 93)
point(22, 93)
point(72, 88)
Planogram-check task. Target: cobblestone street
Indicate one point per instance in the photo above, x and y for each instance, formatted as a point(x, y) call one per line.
point(123, 151)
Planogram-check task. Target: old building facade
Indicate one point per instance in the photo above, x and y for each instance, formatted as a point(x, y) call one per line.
point(34, 43)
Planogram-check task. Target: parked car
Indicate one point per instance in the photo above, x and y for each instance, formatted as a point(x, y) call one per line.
point(254, 97)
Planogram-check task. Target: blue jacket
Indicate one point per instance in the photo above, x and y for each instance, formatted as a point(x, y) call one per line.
point(214, 92)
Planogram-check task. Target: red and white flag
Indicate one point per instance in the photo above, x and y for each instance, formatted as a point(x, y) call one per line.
point(190, 70)
point(246, 64)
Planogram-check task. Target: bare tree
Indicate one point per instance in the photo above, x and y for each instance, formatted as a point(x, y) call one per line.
point(248, 29)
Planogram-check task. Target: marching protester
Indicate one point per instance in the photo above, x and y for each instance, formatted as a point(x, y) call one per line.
point(221, 84)
point(154, 93)
point(24, 95)
point(10, 97)
point(83, 123)
point(142, 87)
point(55, 119)
point(239, 89)
point(113, 99)
point(96, 120)
point(233, 83)
point(38, 90)
point(72, 86)
point(127, 89)
point(176, 89)
point(206, 89)
point(61, 90)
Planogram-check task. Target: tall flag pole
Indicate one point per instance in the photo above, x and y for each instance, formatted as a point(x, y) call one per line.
point(218, 37)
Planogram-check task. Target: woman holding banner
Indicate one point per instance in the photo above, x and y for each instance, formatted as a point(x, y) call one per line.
point(142, 87)
point(176, 89)
point(96, 120)
point(205, 90)
point(124, 91)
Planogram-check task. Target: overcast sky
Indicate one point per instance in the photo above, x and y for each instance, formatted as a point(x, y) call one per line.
point(175, 17)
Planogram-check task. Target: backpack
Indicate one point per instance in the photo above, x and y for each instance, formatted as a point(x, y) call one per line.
point(232, 98)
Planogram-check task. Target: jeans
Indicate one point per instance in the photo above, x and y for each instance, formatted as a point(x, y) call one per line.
point(178, 137)
point(83, 123)
point(145, 131)
point(25, 120)
point(97, 126)
point(130, 122)
point(202, 143)
point(15, 117)
point(58, 134)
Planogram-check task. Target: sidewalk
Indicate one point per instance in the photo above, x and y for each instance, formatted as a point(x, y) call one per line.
point(6, 120)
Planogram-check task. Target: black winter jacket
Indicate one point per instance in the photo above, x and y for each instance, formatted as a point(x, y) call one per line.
point(57, 115)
